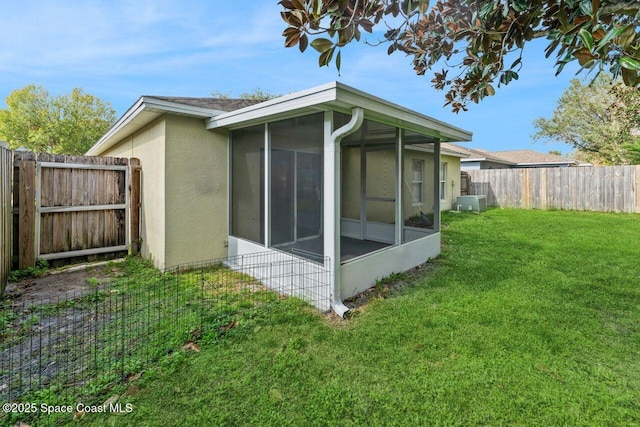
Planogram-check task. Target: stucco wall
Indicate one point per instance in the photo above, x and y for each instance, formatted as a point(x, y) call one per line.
point(196, 207)
point(351, 182)
point(351, 192)
point(148, 145)
point(409, 208)
point(453, 182)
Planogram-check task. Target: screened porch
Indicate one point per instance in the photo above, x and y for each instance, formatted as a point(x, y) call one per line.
point(387, 196)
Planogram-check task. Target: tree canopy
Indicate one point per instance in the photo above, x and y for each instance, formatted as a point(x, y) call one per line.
point(481, 40)
point(257, 94)
point(66, 124)
point(601, 120)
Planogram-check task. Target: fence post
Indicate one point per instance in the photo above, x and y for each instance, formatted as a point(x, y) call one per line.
point(135, 173)
point(202, 307)
point(123, 315)
point(26, 211)
point(6, 215)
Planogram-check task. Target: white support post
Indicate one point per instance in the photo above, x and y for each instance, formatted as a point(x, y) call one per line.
point(332, 209)
point(331, 196)
point(436, 181)
point(267, 187)
point(399, 182)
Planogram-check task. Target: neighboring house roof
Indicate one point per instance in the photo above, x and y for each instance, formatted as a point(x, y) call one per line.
point(233, 113)
point(517, 158)
point(534, 158)
point(477, 155)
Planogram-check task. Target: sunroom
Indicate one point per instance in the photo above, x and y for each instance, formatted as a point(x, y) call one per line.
point(339, 178)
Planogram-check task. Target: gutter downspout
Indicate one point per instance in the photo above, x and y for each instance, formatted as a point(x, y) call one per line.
point(333, 157)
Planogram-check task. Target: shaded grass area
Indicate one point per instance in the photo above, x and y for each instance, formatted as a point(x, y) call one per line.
point(65, 351)
point(530, 318)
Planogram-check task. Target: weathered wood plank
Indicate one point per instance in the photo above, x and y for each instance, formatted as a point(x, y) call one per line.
point(27, 221)
point(636, 189)
point(82, 208)
point(93, 251)
point(6, 215)
point(135, 202)
point(604, 188)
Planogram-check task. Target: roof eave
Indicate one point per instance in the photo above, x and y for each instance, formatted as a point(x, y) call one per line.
point(154, 108)
point(443, 151)
point(340, 97)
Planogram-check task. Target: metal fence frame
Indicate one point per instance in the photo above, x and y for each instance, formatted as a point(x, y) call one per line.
point(112, 332)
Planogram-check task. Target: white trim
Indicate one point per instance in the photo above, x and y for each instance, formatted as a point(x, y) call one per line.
point(341, 97)
point(443, 180)
point(360, 274)
point(154, 107)
point(267, 187)
point(443, 152)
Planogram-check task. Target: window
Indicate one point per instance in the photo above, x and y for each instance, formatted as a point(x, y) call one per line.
point(443, 181)
point(416, 182)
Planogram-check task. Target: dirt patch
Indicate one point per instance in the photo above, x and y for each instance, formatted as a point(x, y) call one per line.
point(58, 286)
point(386, 289)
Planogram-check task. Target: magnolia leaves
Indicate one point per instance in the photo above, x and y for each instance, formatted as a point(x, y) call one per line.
point(474, 37)
point(345, 22)
point(598, 45)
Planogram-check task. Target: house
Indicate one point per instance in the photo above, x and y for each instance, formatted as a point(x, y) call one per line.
point(330, 173)
point(481, 159)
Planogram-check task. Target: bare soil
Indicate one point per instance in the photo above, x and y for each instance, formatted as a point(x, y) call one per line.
point(58, 285)
point(386, 290)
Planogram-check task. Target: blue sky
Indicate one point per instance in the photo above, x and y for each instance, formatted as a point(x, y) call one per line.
point(120, 50)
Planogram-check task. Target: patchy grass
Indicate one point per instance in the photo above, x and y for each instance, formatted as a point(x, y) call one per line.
point(142, 317)
point(530, 318)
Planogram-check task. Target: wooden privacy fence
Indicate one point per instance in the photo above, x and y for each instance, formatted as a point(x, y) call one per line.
point(6, 170)
point(73, 206)
point(601, 188)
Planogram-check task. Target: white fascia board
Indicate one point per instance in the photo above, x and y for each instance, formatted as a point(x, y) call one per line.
point(492, 160)
point(309, 99)
point(126, 118)
point(393, 114)
point(443, 151)
point(475, 159)
point(340, 97)
point(133, 120)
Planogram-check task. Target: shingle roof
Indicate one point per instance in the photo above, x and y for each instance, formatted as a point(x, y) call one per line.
point(474, 154)
point(530, 156)
point(222, 104)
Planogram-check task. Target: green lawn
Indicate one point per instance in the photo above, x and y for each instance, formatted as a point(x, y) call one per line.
point(530, 318)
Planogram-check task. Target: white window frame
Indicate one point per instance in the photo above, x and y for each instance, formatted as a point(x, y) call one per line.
point(419, 200)
point(443, 181)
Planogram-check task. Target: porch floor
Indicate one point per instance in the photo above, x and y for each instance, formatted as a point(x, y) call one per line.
point(349, 248)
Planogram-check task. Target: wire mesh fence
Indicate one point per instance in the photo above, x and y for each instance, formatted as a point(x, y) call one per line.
point(113, 331)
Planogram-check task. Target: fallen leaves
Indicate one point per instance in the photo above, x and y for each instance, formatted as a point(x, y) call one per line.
point(191, 346)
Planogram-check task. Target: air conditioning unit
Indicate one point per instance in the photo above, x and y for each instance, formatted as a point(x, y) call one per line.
point(472, 203)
